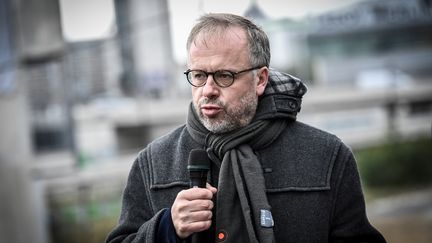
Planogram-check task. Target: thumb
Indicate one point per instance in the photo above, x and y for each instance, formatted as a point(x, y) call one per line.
point(211, 188)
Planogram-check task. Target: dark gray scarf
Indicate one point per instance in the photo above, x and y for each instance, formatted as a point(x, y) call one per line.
point(243, 213)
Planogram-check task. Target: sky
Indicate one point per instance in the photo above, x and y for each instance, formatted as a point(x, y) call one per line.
point(87, 20)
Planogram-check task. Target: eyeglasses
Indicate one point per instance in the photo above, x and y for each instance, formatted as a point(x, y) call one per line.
point(223, 78)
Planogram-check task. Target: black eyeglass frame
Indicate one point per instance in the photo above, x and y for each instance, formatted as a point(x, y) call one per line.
point(215, 79)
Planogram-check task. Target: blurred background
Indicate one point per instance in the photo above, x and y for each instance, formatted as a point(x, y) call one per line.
point(84, 85)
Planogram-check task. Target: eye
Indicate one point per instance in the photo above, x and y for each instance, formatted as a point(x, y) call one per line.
point(199, 75)
point(224, 75)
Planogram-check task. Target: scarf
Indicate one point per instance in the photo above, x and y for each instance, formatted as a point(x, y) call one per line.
point(243, 213)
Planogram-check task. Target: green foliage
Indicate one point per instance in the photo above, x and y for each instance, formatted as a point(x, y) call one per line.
point(396, 164)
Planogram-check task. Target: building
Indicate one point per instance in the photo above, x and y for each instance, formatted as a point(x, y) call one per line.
point(145, 44)
point(380, 39)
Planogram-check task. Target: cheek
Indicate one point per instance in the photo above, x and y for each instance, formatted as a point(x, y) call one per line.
point(194, 92)
point(196, 95)
point(233, 97)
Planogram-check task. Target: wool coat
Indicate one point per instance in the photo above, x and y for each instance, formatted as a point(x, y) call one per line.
point(311, 180)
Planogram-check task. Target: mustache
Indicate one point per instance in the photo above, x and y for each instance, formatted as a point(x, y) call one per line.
point(206, 101)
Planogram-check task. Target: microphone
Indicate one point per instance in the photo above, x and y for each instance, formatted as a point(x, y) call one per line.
point(198, 166)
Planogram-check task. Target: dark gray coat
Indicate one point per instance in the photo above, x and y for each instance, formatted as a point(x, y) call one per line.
point(311, 178)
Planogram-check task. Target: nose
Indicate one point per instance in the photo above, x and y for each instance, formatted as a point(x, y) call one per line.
point(210, 89)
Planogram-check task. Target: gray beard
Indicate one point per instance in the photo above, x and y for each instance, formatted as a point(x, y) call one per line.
point(232, 119)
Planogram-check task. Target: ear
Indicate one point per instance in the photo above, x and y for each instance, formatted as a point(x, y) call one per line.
point(263, 74)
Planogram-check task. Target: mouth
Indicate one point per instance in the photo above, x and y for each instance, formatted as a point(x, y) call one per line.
point(210, 110)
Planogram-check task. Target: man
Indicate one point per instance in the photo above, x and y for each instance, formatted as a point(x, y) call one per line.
point(272, 179)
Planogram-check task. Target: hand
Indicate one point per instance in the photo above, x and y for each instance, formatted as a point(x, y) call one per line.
point(191, 210)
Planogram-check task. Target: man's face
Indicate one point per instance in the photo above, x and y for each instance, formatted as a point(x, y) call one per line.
point(229, 108)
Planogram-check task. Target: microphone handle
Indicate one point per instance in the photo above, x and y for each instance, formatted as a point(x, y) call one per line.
point(198, 179)
point(199, 237)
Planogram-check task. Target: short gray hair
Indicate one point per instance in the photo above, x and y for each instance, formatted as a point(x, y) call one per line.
point(259, 47)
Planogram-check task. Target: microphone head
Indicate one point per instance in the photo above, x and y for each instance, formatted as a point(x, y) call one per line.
point(198, 160)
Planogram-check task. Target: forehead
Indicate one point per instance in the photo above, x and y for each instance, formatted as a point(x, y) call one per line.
point(222, 48)
point(230, 37)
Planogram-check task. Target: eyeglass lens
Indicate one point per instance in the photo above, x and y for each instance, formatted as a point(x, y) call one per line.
point(199, 78)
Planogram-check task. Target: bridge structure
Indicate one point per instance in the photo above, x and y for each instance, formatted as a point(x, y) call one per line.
point(360, 117)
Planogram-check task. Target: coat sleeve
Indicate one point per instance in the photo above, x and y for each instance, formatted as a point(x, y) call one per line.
point(349, 220)
point(138, 222)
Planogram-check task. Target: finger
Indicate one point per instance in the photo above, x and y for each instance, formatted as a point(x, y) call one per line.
point(185, 230)
point(197, 216)
point(200, 205)
point(182, 207)
point(191, 222)
point(200, 226)
point(211, 188)
point(193, 217)
point(195, 193)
